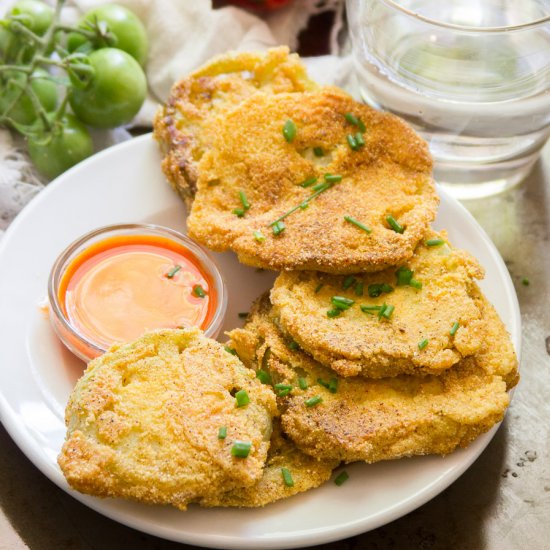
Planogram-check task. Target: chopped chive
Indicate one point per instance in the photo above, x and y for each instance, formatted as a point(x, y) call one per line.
point(287, 477)
point(259, 236)
point(302, 382)
point(319, 186)
point(358, 224)
point(289, 130)
point(244, 200)
point(318, 151)
point(319, 287)
point(359, 139)
point(230, 350)
point(198, 291)
point(341, 302)
point(350, 280)
point(394, 224)
point(312, 401)
point(293, 345)
point(283, 393)
point(359, 288)
point(454, 328)
point(525, 281)
point(243, 314)
point(434, 242)
point(341, 478)
point(370, 309)
point(222, 432)
point(331, 385)
point(333, 178)
point(263, 376)
point(173, 271)
point(352, 142)
point(242, 398)
point(304, 205)
point(282, 386)
point(278, 227)
point(239, 212)
point(352, 119)
point(422, 344)
point(309, 182)
point(361, 126)
point(415, 284)
point(404, 276)
point(334, 312)
point(386, 311)
point(376, 289)
point(241, 449)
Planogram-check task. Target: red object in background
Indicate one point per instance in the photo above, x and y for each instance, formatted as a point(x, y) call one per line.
point(260, 5)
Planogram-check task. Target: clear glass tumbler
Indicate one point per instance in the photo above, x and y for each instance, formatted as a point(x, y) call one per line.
point(471, 76)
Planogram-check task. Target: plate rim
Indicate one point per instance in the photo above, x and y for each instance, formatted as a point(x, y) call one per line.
point(284, 540)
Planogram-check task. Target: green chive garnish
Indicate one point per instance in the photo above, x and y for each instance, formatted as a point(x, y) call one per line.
point(278, 227)
point(394, 224)
point(230, 350)
point(525, 281)
point(454, 328)
point(242, 398)
point(352, 142)
point(334, 312)
point(243, 314)
point(358, 224)
point(352, 119)
point(283, 389)
point(312, 401)
point(386, 311)
point(370, 309)
point(341, 478)
point(287, 477)
point(309, 182)
point(359, 139)
point(222, 432)
point(415, 284)
point(404, 276)
point(244, 200)
point(422, 344)
point(293, 345)
point(259, 236)
point(434, 242)
point(283, 393)
point(319, 186)
point(342, 302)
point(241, 449)
point(263, 376)
point(302, 382)
point(319, 287)
point(350, 280)
point(359, 288)
point(239, 212)
point(318, 151)
point(289, 130)
point(173, 271)
point(333, 178)
point(376, 289)
point(331, 385)
point(198, 291)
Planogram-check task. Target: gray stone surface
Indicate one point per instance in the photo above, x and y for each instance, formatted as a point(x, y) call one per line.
point(501, 503)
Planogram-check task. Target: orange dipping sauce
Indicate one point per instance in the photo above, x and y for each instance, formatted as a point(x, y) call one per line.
point(122, 286)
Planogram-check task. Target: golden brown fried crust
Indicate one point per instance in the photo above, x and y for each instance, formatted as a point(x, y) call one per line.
point(143, 421)
point(389, 418)
point(389, 175)
point(185, 125)
point(359, 343)
point(307, 473)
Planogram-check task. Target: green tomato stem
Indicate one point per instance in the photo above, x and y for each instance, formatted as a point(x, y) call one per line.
point(19, 68)
point(20, 28)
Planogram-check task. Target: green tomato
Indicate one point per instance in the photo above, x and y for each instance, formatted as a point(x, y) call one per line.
point(127, 28)
point(68, 146)
point(23, 112)
point(39, 14)
point(116, 92)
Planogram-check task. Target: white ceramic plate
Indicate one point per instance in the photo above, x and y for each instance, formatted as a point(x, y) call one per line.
point(125, 184)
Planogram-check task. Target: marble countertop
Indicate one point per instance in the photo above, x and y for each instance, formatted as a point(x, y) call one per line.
point(501, 503)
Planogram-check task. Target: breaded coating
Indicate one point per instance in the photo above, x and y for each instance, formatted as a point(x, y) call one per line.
point(306, 473)
point(143, 421)
point(186, 124)
point(250, 158)
point(358, 342)
point(373, 420)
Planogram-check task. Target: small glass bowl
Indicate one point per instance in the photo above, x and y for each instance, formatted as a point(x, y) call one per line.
point(83, 347)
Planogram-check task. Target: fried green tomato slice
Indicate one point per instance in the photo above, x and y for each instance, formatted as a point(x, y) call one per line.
point(355, 419)
point(186, 124)
point(435, 320)
point(303, 472)
point(143, 421)
point(282, 187)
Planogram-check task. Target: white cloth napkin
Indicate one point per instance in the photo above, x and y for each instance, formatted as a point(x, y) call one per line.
point(183, 34)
